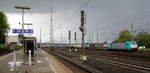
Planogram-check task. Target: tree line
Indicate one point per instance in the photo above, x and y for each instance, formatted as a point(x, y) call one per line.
point(142, 38)
point(4, 27)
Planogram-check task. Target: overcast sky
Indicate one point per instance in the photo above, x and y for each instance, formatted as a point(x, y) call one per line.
point(108, 16)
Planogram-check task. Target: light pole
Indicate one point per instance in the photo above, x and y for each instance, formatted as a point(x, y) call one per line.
point(97, 34)
point(40, 37)
point(22, 8)
point(132, 29)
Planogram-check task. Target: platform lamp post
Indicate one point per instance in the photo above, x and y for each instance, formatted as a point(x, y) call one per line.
point(22, 8)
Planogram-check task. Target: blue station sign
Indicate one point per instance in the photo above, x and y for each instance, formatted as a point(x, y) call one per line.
point(25, 31)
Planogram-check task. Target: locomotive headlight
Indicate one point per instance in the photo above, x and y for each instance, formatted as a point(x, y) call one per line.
point(134, 46)
point(131, 45)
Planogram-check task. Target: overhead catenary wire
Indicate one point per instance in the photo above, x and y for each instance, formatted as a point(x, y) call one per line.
point(75, 12)
point(69, 18)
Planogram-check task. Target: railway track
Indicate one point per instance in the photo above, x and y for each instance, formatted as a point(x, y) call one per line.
point(140, 55)
point(71, 66)
point(124, 62)
point(81, 69)
point(138, 65)
point(122, 58)
point(120, 54)
point(124, 65)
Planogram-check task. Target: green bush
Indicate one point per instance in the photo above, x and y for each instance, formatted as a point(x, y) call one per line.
point(2, 47)
point(147, 49)
point(52, 48)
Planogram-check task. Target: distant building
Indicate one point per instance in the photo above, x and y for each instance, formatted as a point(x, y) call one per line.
point(12, 40)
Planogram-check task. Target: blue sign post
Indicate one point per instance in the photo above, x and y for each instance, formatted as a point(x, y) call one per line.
point(23, 31)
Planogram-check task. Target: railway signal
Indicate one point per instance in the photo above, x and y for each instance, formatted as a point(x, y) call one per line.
point(69, 38)
point(82, 29)
point(69, 35)
point(75, 37)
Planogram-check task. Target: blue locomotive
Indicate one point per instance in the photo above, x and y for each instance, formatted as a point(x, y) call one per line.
point(128, 45)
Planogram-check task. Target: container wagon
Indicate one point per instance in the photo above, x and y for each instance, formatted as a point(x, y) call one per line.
point(101, 46)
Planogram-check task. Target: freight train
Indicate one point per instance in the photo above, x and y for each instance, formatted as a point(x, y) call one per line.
point(128, 46)
point(95, 46)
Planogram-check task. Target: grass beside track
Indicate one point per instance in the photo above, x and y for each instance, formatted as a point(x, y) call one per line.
point(145, 49)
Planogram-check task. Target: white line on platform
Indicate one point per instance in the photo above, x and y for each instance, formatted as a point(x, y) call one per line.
point(49, 62)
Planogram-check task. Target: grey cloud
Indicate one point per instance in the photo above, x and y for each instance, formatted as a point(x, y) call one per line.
point(39, 6)
point(108, 14)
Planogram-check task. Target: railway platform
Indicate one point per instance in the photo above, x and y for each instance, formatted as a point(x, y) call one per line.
point(41, 63)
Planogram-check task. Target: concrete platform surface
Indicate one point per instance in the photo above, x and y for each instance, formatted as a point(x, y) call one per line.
point(42, 63)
